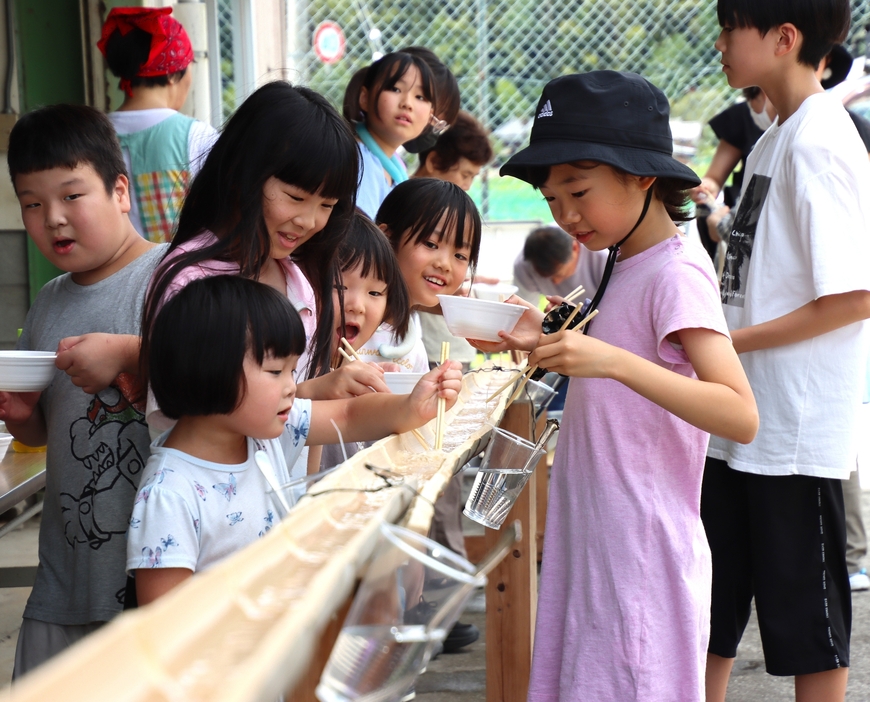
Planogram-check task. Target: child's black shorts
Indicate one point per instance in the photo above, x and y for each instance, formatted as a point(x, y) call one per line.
point(781, 539)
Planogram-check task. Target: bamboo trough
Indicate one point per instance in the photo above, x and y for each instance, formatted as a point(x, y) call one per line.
point(248, 628)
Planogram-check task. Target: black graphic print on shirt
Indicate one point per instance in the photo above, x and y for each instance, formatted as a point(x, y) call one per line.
point(742, 240)
point(105, 443)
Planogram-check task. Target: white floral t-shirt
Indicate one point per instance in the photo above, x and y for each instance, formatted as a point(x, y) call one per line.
point(190, 513)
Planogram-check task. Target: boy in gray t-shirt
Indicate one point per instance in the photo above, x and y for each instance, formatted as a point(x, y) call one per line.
point(69, 176)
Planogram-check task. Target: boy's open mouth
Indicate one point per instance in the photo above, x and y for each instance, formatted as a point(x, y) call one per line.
point(63, 245)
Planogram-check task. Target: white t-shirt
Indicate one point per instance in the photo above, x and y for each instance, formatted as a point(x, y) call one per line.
point(191, 513)
point(201, 138)
point(414, 360)
point(802, 231)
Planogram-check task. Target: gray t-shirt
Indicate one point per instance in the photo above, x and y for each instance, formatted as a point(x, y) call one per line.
point(97, 448)
point(590, 268)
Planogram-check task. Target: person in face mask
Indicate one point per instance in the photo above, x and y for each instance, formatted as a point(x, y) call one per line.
point(737, 136)
point(738, 128)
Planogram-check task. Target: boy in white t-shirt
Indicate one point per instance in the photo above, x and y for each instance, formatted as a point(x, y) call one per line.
point(795, 295)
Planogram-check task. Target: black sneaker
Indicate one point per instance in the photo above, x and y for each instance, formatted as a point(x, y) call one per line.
point(460, 635)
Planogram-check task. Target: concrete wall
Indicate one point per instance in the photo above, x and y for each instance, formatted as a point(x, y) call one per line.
point(13, 286)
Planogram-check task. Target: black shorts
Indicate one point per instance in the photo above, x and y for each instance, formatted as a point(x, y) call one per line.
point(781, 539)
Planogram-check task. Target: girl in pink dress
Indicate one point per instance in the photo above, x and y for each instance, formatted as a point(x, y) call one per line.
point(624, 601)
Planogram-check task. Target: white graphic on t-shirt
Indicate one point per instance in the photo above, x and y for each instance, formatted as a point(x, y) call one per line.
point(742, 240)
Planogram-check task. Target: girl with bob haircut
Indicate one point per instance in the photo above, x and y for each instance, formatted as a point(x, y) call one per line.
point(272, 203)
point(435, 230)
point(625, 550)
point(222, 357)
point(397, 102)
point(372, 291)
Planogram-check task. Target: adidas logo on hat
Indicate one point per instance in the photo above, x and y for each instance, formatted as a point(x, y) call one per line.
point(546, 110)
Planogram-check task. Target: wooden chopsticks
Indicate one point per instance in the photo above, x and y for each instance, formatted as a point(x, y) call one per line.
point(442, 403)
point(530, 372)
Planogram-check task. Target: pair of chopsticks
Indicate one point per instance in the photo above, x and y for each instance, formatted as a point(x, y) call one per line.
point(350, 356)
point(576, 292)
point(530, 370)
point(527, 375)
point(442, 403)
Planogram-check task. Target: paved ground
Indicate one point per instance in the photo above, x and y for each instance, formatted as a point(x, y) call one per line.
point(461, 677)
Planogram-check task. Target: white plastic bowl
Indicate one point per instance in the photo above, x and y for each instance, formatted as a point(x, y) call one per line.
point(497, 293)
point(471, 318)
point(5, 440)
point(26, 371)
point(402, 383)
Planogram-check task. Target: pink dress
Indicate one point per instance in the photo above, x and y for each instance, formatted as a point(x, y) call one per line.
point(624, 602)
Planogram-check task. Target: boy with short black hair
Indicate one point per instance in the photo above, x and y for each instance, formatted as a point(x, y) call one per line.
point(795, 295)
point(69, 176)
point(552, 262)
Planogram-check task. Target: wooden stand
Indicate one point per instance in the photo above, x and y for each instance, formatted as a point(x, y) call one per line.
point(512, 589)
point(304, 690)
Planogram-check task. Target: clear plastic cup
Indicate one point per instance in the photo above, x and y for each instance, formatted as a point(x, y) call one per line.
point(507, 464)
point(540, 394)
point(412, 594)
point(292, 491)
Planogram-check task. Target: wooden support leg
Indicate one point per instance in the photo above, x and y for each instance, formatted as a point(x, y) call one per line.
point(304, 690)
point(512, 589)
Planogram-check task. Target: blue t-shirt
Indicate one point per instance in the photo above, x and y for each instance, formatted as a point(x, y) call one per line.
point(373, 183)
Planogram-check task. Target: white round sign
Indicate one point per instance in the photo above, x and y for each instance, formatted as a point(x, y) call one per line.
point(329, 42)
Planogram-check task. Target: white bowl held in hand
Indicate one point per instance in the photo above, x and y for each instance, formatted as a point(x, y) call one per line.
point(470, 318)
point(497, 293)
point(26, 371)
point(402, 383)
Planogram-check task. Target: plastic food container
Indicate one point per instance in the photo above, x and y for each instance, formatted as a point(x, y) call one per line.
point(402, 383)
point(26, 371)
point(497, 293)
point(471, 318)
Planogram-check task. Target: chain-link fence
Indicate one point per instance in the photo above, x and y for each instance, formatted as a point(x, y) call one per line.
point(504, 51)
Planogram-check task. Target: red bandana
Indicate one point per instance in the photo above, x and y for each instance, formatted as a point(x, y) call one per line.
point(171, 50)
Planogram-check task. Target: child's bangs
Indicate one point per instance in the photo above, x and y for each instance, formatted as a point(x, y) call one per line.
point(274, 328)
point(79, 136)
point(452, 216)
point(324, 163)
point(745, 13)
point(386, 72)
point(372, 258)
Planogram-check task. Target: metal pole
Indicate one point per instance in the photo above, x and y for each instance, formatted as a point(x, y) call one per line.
point(483, 94)
point(192, 15)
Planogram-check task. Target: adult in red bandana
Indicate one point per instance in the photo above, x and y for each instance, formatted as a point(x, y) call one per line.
point(151, 53)
point(170, 52)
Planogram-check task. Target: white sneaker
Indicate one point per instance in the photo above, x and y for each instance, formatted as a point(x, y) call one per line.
point(859, 581)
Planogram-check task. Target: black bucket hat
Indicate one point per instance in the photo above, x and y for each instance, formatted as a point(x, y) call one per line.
point(611, 117)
